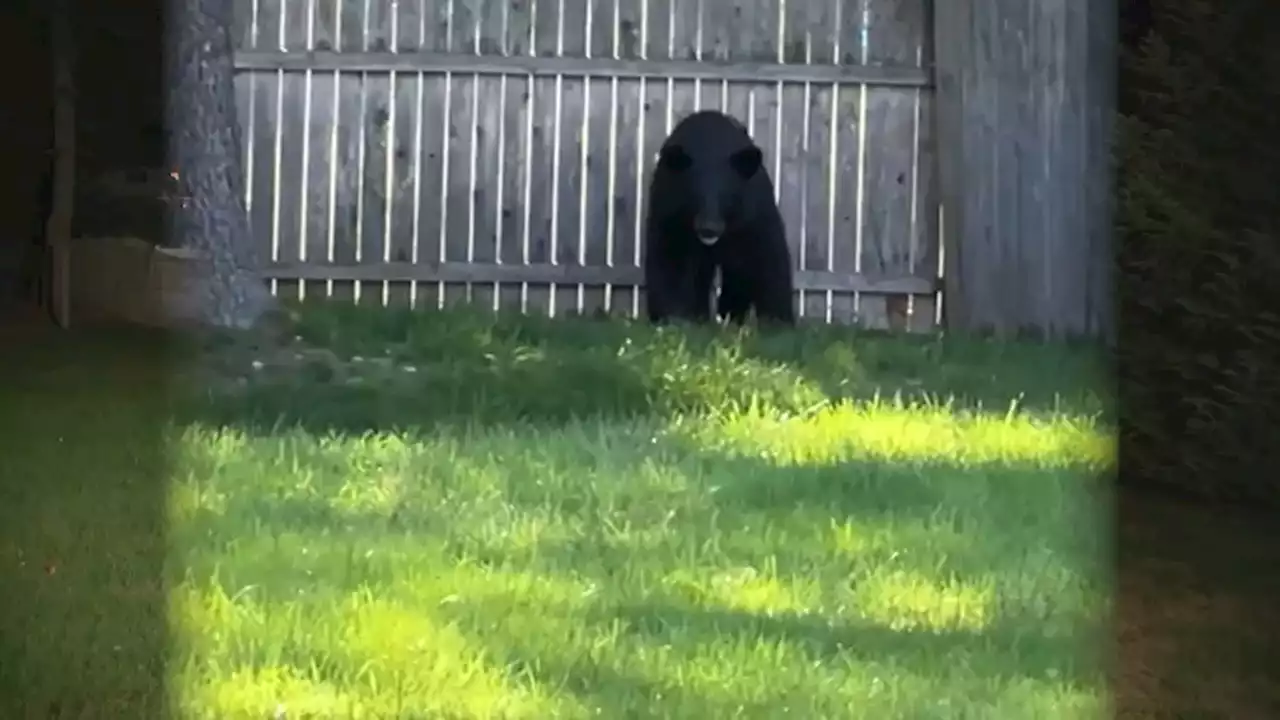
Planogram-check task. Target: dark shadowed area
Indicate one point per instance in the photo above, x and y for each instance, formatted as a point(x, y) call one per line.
point(83, 474)
point(83, 540)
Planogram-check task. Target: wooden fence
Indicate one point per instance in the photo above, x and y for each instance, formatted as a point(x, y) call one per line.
point(498, 151)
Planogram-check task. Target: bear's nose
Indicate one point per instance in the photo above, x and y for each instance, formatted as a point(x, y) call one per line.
point(708, 229)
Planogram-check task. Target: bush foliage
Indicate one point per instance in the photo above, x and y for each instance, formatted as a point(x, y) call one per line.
point(1198, 172)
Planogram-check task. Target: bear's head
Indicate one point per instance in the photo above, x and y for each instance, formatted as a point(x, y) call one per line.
point(712, 175)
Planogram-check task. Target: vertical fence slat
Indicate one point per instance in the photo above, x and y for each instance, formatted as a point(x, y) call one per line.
point(869, 309)
point(325, 168)
point(682, 39)
point(649, 128)
point(523, 31)
point(315, 130)
point(242, 24)
point(844, 161)
point(340, 155)
point(594, 166)
point(325, 28)
point(361, 130)
point(459, 111)
point(515, 149)
point(792, 134)
point(265, 90)
point(350, 32)
point(403, 21)
point(730, 26)
point(655, 110)
point(568, 116)
point(762, 100)
point(267, 21)
point(742, 28)
point(290, 181)
point(540, 138)
point(339, 237)
point(714, 23)
point(843, 242)
point(894, 26)
point(819, 41)
point(486, 137)
point(428, 138)
point(619, 244)
point(925, 191)
point(624, 202)
point(378, 113)
point(353, 125)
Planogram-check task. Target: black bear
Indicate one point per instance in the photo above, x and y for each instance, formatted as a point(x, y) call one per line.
point(711, 205)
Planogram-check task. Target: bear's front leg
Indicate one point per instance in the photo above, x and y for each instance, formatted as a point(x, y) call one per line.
point(669, 295)
point(701, 279)
point(679, 284)
point(734, 303)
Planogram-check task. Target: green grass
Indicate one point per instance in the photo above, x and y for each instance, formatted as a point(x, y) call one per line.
point(518, 518)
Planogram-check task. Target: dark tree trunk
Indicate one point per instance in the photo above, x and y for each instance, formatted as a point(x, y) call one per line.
point(209, 215)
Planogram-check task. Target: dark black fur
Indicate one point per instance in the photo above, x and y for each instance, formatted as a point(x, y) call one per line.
point(710, 180)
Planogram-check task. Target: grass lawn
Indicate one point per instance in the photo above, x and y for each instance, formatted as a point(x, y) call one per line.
point(459, 516)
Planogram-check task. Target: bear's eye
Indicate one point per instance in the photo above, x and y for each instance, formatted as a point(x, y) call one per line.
point(675, 159)
point(747, 162)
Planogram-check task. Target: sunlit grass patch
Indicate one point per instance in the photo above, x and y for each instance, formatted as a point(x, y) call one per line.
point(907, 600)
point(909, 433)
point(342, 656)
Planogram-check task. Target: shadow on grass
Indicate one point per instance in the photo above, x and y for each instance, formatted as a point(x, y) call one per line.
point(615, 694)
point(1004, 505)
point(83, 489)
point(1004, 649)
point(976, 372)
point(986, 661)
point(1009, 493)
point(472, 366)
point(865, 489)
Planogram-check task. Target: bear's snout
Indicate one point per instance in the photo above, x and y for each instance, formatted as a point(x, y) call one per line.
point(708, 230)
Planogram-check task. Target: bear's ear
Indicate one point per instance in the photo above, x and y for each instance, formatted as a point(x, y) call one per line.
point(674, 158)
point(747, 162)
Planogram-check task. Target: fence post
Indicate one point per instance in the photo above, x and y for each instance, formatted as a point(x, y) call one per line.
point(1025, 113)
